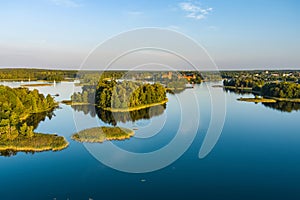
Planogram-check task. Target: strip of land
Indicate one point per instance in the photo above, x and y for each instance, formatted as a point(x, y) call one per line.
point(135, 108)
point(72, 103)
point(37, 85)
point(37, 143)
point(257, 100)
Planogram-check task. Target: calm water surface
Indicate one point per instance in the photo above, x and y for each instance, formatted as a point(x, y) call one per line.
point(256, 157)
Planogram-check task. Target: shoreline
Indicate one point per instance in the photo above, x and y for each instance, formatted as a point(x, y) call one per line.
point(134, 108)
point(296, 100)
point(40, 149)
point(69, 102)
point(267, 98)
point(233, 87)
point(37, 85)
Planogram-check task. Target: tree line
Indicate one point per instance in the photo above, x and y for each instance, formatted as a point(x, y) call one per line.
point(36, 74)
point(244, 82)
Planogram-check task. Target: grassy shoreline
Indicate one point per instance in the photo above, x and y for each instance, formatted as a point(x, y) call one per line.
point(69, 102)
point(37, 143)
point(284, 99)
point(257, 100)
point(135, 108)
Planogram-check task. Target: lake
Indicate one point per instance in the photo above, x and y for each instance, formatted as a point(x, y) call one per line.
point(257, 155)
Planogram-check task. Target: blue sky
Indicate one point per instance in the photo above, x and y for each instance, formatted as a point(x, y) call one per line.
point(238, 34)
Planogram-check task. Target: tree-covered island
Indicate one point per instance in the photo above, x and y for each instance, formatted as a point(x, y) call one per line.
point(119, 96)
point(17, 106)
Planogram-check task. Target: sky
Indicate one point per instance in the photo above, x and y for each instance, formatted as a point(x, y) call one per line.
point(236, 34)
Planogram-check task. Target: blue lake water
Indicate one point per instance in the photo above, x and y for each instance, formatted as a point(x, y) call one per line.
point(257, 155)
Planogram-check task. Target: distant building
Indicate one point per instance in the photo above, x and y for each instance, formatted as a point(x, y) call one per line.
point(187, 75)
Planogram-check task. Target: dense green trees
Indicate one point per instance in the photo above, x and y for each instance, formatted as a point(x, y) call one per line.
point(110, 94)
point(16, 105)
point(244, 82)
point(36, 74)
point(86, 96)
point(281, 90)
point(128, 94)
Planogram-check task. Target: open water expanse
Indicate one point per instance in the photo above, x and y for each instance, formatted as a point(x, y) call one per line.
point(257, 155)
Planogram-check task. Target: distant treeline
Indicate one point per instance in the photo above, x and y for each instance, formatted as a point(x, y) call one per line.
point(266, 75)
point(36, 74)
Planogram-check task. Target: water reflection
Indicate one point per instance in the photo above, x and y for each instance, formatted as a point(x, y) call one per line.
point(113, 118)
point(9, 153)
point(238, 91)
point(284, 106)
point(35, 119)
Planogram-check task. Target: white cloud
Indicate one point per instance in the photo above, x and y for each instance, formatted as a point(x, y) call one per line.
point(194, 11)
point(66, 3)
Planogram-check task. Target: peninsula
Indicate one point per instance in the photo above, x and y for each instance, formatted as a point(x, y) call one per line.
point(17, 106)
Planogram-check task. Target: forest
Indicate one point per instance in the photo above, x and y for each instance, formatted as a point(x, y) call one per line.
point(128, 94)
point(244, 82)
point(36, 74)
point(121, 95)
point(16, 105)
point(281, 90)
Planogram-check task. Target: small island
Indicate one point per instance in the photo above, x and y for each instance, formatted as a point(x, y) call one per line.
point(257, 100)
point(36, 143)
point(101, 134)
point(37, 85)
